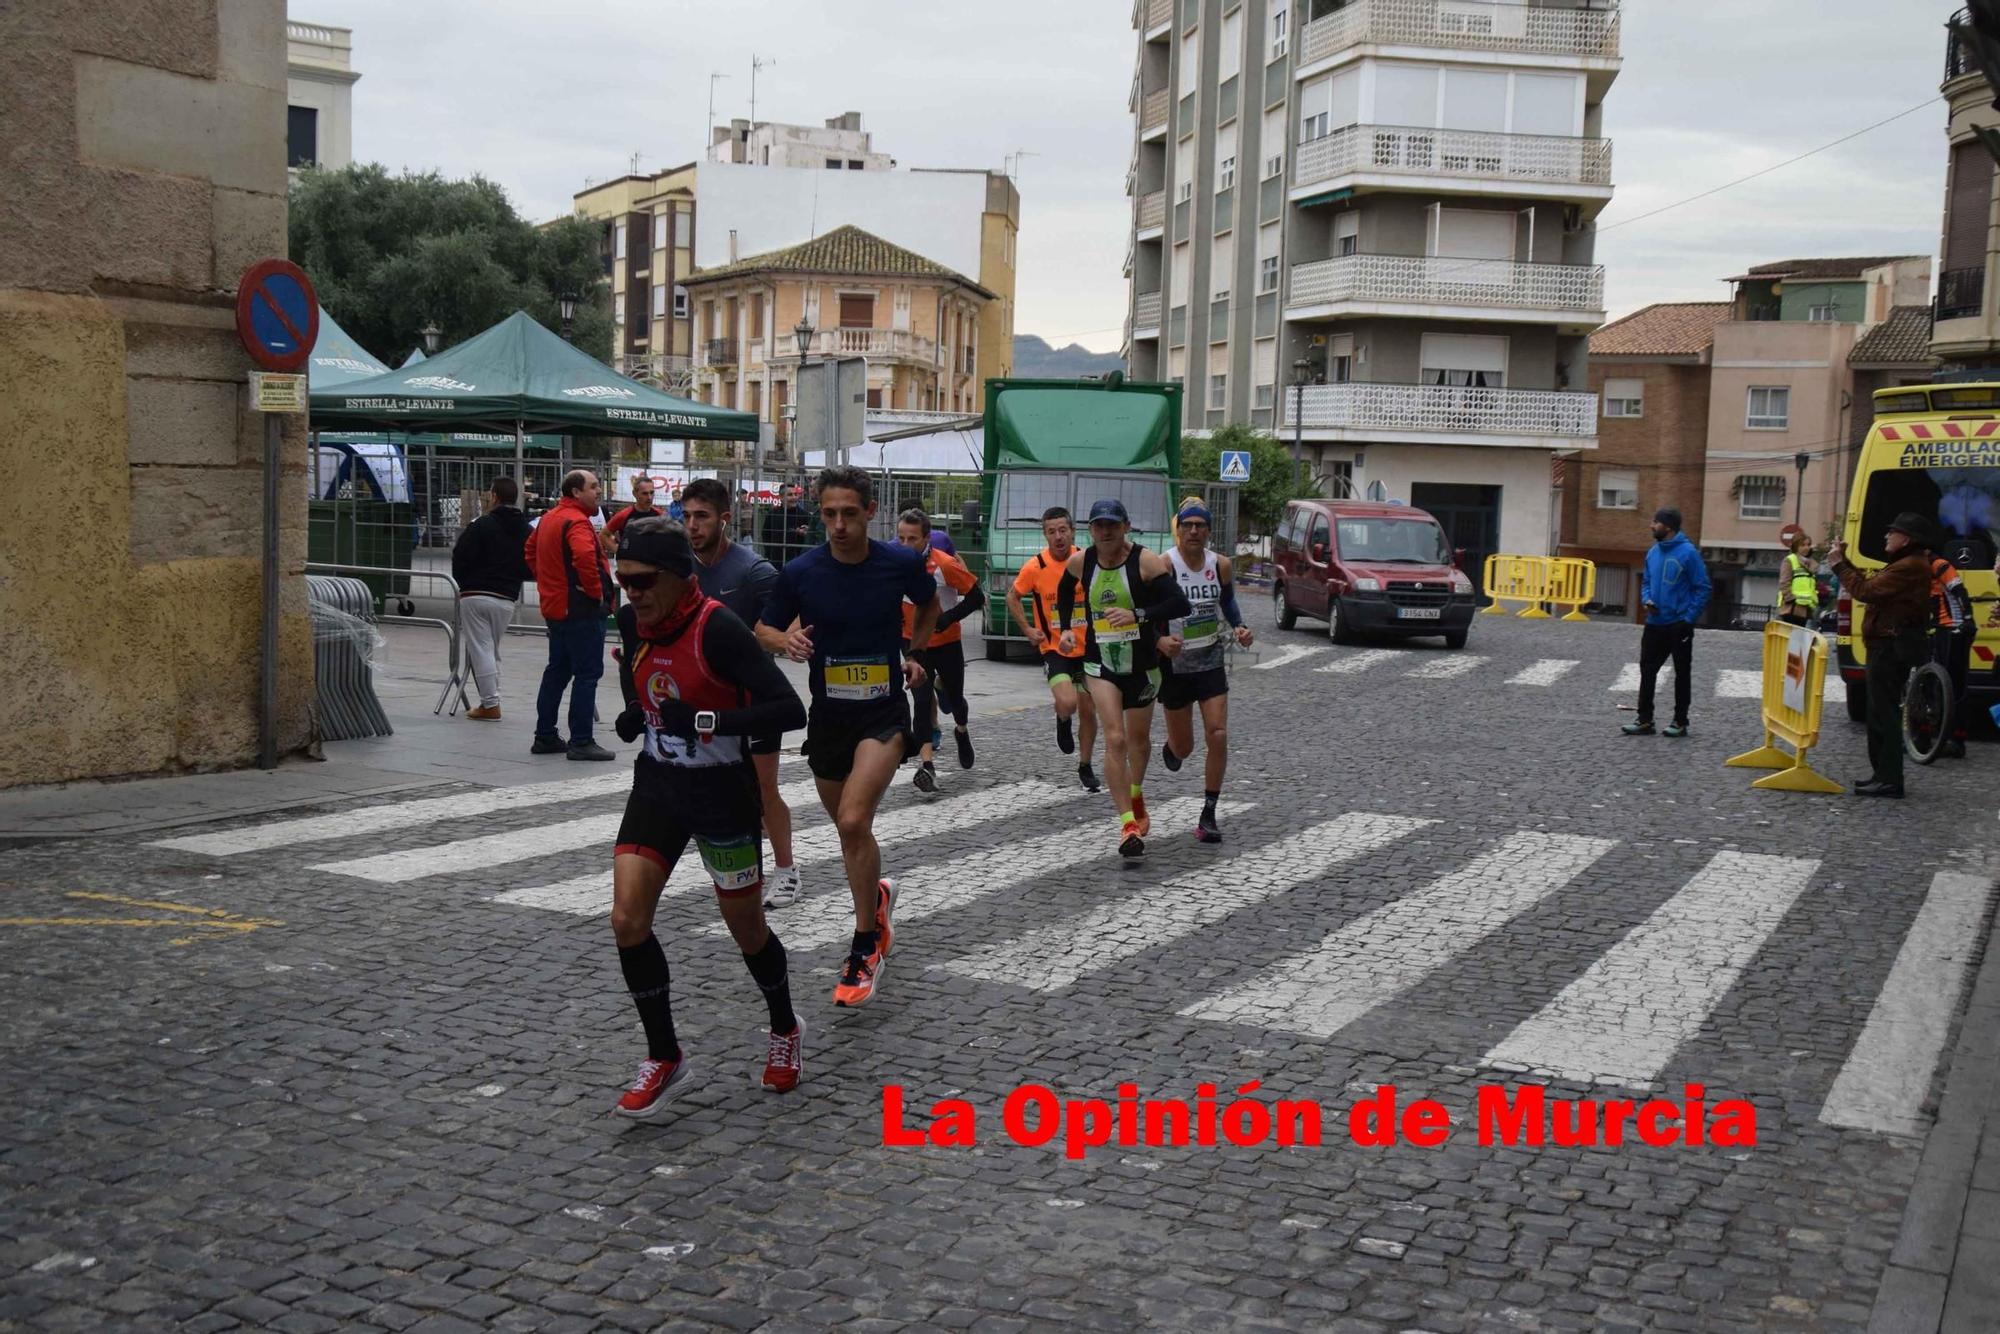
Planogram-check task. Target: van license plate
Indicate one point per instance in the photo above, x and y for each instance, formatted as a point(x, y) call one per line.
point(1419, 613)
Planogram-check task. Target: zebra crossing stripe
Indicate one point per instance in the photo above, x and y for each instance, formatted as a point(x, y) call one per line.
point(1445, 668)
point(1545, 673)
point(944, 886)
point(590, 895)
point(1059, 954)
point(1380, 955)
point(1628, 678)
point(1622, 1021)
point(1287, 655)
point(1358, 662)
point(1735, 684)
point(1888, 1073)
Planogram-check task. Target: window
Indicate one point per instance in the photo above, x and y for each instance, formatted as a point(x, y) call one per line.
point(1267, 274)
point(1225, 158)
point(1770, 409)
point(1824, 314)
point(857, 312)
point(1218, 392)
point(659, 231)
point(1464, 361)
point(1624, 398)
point(1280, 32)
point(1340, 359)
point(1547, 104)
point(1315, 110)
point(680, 302)
point(1266, 396)
point(853, 165)
point(1274, 165)
point(1346, 233)
point(618, 312)
point(659, 300)
point(1264, 371)
point(1190, 70)
point(301, 136)
point(833, 164)
point(1272, 140)
point(1186, 192)
point(1225, 175)
point(756, 317)
point(1222, 266)
point(1617, 489)
point(874, 398)
point(1229, 59)
point(618, 240)
point(1760, 498)
point(1406, 95)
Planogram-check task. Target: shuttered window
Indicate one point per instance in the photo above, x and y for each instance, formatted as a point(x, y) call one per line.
point(1969, 206)
point(857, 312)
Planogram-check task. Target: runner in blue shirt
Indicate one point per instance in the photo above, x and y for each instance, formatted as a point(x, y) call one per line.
point(839, 607)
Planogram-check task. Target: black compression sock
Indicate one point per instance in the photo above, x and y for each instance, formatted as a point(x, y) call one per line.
point(645, 968)
point(768, 967)
point(864, 943)
point(1208, 800)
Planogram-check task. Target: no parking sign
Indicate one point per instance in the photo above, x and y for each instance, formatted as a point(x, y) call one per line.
point(277, 314)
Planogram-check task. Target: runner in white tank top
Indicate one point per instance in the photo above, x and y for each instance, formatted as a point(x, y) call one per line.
point(1194, 650)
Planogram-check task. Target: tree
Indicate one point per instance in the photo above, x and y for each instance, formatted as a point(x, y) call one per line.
point(390, 254)
point(1262, 502)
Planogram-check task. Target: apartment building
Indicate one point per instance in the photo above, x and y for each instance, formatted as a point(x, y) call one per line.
point(916, 321)
point(1966, 333)
point(649, 235)
point(840, 145)
point(1368, 226)
point(319, 96)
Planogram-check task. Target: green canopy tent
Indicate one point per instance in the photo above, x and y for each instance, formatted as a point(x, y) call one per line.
point(517, 377)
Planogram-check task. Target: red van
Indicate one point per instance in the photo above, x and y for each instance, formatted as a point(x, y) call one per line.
point(1369, 569)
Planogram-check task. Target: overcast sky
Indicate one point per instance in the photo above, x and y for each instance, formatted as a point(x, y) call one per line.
point(539, 99)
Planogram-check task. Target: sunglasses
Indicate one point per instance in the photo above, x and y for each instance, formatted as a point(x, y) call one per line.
point(638, 583)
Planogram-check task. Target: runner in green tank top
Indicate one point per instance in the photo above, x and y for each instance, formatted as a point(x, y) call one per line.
point(1131, 595)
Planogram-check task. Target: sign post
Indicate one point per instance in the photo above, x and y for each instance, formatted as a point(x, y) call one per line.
point(277, 317)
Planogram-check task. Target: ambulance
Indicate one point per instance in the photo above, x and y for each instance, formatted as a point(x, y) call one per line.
point(1933, 449)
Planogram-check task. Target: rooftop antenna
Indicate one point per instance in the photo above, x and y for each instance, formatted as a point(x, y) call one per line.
point(635, 162)
point(1015, 157)
point(756, 63)
point(711, 106)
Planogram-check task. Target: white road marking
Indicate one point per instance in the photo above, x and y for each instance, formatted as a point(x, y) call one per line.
point(1736, 684)
point(1458, 664)
point(1358, 662)
point(1888, 1073)
point(1628, 677)
point(1544, 673)
point(943, 886)
point(1622, 1021)
point(1290, 654)
point(1058, 954)
point(1383, 954)
point(590, 895)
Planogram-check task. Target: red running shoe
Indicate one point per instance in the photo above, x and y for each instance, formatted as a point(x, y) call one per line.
point(658, 1084)
point(786, 1063)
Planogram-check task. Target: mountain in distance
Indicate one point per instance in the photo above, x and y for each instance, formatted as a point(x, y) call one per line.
point(1034, 359)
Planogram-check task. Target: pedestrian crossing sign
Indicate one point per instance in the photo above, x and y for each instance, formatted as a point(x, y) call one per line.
point(1235, 465)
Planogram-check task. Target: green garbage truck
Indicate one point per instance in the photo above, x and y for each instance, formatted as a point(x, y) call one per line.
point(1070, 443)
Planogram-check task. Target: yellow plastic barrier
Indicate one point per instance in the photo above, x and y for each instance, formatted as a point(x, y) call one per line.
point(1794, 661)
point(1518, 579)
point(1572, 582)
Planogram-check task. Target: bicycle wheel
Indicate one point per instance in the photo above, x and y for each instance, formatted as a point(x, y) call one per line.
point(1926, 713)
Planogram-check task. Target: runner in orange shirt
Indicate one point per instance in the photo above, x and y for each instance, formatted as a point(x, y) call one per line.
point(959, 595)
point(1038, 580)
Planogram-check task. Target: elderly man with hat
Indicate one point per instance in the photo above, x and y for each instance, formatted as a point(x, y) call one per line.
point(1896, 631)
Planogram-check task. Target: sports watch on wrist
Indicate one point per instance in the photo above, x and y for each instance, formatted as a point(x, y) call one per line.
point(704, 723)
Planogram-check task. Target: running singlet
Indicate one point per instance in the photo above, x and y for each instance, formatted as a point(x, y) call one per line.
point(1201, 630)
point(1121, 650)
point(1039, 581)
point(679, 670)
point(855, 614)
point(953, 581)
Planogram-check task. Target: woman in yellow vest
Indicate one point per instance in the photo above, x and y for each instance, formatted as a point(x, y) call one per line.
point(1798, 584)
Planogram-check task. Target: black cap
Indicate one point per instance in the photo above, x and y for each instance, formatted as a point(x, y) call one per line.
point(1669, 516)
point(666, 548)
point(1921, 531)
point(1109, 508)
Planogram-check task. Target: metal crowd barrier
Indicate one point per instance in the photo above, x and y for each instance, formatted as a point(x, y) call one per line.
point(454, 640)
point(343, 618)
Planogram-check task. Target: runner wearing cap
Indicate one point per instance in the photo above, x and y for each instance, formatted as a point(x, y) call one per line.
point(1040, 579)
point(698, 688)
point(1130, 595)
point(1193, 649)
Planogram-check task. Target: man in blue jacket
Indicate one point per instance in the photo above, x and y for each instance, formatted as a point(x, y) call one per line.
point(1675, 593)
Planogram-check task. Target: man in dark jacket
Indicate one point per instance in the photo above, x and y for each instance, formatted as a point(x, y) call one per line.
point(1896, 632)
point(786, 528)
point(489, 566)
point(1674, 592)
point(574, 585)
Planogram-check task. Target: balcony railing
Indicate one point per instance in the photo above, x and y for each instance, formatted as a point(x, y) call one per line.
point(1441, 409)
point(1959, 293)
point(1152, 210)
point(1402, 150)
point(668, 371)
point(1441, 280)
point(1146, 312)
point(1157, 13)
point(1475, 25)
point(883, 343)
point(1154, 109)
point(718, 352)
point(1957, 50)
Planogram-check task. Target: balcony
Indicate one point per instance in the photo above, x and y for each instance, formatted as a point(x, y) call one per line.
point(1410, 157)
point(1146, 315)
point(1959, 293)
point(718, 352)
point(1442, 413)
point(1154, 110)
point(1158, 14)
point(1464, 25)
point(880, 344)
point(1153, 211)
point(1446, 288)
point(668, 372)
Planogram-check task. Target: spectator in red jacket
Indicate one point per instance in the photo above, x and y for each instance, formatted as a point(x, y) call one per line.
point(575, 589)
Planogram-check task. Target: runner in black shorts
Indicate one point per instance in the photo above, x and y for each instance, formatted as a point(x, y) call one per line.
point(839, 607)
point(959, 596)
point(1194, 650)
point(1130, 595)
point(696, 685)
point(1031, 601)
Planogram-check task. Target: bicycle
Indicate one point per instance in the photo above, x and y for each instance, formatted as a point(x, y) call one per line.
point(1927, 713)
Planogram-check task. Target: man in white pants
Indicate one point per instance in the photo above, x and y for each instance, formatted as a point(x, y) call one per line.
point(490, 566)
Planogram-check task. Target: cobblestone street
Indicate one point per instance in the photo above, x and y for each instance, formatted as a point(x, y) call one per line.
point(350, 1066)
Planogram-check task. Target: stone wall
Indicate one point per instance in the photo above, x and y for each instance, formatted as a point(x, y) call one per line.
point(145, 169)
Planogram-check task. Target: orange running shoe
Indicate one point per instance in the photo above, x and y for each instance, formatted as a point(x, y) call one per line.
point(858, 977)
point(1140, 824)
point(786, 1063)
point(886, 893)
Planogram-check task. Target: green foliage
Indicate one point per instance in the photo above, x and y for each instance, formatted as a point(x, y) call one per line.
point(1263, 498)
point(390, 254)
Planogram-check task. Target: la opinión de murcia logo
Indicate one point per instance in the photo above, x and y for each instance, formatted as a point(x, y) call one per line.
point(444, 382)
point(599, 391)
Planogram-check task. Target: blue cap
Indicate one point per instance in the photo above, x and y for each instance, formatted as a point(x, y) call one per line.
point(1109, 509)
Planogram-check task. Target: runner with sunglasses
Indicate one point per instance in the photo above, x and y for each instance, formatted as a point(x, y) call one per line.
point(1194, 648)
point(697, 687)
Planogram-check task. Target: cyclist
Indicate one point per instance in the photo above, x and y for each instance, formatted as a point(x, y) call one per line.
point(697, 687)
point(1040, 578)
point(1194, 648)
point(958, 596)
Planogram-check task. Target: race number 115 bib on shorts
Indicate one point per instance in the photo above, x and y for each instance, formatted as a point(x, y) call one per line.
point(733, 864)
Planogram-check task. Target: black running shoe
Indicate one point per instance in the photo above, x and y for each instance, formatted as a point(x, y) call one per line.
point(964, 740)
point(926, 778)
point(1132, 847)
point(1205, 830)
point(1087, 778)
point(1065, 737)
point(1168, 758)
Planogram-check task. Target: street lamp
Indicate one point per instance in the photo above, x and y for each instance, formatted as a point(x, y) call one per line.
point(1300, 370)
point(431, 334)
point(1799, 461)
point(566, 304)
point(802, 333)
